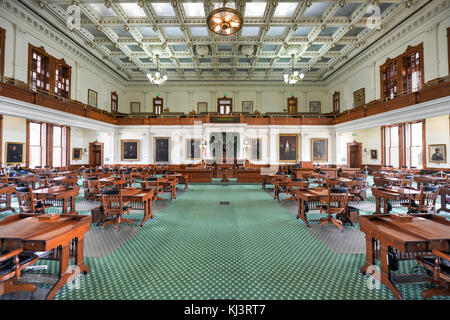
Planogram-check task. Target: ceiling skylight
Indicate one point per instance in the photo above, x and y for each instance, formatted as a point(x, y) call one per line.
point(194, 9)
point(101, 10)
point(163, 9)
point(255, 9)
point(132, 10)
point(285, 9)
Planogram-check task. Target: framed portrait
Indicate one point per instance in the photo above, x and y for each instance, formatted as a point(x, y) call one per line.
point(437, 153)
point(373, 154)
point(359, 97)
point(287, 147)
point(192, 149)
point(15, 152)
point(130, 150)
point(255, 149)
point(92, 98)
point(247, 106)
point(319, 149)
point(161, 149)
point(77, 153)
point(202, 107)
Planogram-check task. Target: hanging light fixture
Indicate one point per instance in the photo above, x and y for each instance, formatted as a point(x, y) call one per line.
point(225, 21)
point(292, 77)
point(158, 78)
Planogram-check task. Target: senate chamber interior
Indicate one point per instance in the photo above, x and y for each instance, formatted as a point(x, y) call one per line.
point(224, 150)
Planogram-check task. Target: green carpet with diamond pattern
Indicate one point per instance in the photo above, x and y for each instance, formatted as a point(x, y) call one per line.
point(253, 248)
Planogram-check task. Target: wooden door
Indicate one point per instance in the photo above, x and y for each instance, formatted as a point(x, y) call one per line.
point(96, 154)
point(354, 154)
point(292, 107)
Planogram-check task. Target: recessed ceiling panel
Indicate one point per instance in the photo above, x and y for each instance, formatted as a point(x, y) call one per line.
point(276, 31)
point(121, 32)
point(250, 31)
point(101, 10)
point(347, 10)
point(180, 47)
point(199, 31)
point(147, 32)
point(163, 9)
point(194, 9)
point(172, 32)
point(285, 9)
point(255, 9)
point(133, 10)
point(316, 9)
point(302, 31)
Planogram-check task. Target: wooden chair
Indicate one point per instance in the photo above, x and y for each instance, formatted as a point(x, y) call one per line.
point(128, 176)
point(43, 182)
point(11, 265)
point(407, 181)
point(114, 207)
point(27, 202)
point(426, 202)
point(439, 265)
point(94, 188)
point(294, 185)
point(153, 183)
point(334, 204)
point(358, 188)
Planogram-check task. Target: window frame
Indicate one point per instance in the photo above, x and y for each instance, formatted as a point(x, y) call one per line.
point(337, 101)
point(53, 64)
point(42, 145)
point(400, 62)
point(114, 102)
point(155, 106)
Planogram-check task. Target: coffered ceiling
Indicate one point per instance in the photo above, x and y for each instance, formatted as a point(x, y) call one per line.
point(128, 34)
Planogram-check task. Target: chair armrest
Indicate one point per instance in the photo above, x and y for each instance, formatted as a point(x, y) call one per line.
point(441, 255)
point(11, 254)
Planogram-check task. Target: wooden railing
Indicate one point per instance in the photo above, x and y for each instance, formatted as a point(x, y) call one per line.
point(19, 90)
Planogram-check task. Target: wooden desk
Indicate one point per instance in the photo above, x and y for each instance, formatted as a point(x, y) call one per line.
point(29, 180)
point(173, 187)
point(198, 175)
point(348, 172)
point(424, 233)
point(7, 190)
point(112, 181)
point(253, 175)
point(303, 172)
point(392, 193)
point(390, 181)
point(444, 192)
point(331, 172)
point(31, 233)
point(308, 195)
point(144, 196)
point(59, 193)
point(428, 179)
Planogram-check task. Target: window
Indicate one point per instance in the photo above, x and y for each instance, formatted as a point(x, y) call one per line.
point(392, 146)
point(403, 74)
point(403, 144)
point(114, 102)
point(45, 73)
point(158, 105)
point(389, 78)
point(336, 102)
point(414, 145)
point(62, 79)
point(2, 51)
point(57, 146)
point(37, 138)
point(40, 71)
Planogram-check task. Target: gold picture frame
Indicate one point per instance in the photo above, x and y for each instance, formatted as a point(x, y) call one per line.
point(323, 149)
point(285, 153)
point(130, 150)
point(247, 107)
point(373, 154)
point(11, 157)
point(77, 153)
point(435, 156)
point(202, 107)
point(188, 144)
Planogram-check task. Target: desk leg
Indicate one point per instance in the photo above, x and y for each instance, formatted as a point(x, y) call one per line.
point(301, 212)
point(174, 192)
point(378, 205)
point(370, 254)
point(385, 279)
point(65, 205)
point(147, 211)
point(72, 205)
point(63, 274)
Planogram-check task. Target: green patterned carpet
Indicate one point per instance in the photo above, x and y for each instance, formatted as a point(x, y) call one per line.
point(253, 248)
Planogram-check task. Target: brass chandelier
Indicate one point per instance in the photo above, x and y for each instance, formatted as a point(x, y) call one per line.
point(158, 78)
point(225, 21)
point(292, 77)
